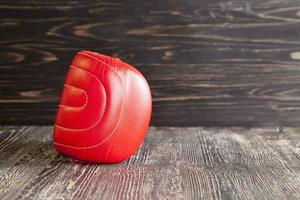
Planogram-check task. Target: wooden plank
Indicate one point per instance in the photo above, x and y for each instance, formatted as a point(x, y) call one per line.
point(27, 152)
point(173, 163)
point(209, 63)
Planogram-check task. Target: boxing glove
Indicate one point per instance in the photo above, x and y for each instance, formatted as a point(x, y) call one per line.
point(104, 110)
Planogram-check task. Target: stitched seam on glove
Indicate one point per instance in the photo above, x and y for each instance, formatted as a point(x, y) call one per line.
point(76, 107)
point(100, 118)
point(120, 117)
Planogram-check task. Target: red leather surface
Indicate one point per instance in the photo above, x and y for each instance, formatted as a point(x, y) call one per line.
point(104, 110)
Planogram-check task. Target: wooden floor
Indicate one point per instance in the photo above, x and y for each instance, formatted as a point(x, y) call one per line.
point(173, 163)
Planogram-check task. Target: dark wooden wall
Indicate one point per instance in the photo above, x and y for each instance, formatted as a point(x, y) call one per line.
point(209, 63)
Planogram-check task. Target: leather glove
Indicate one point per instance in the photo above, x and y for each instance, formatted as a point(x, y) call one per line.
point(104, 110)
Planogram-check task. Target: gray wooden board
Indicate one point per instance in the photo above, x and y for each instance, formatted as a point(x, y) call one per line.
point(202, 163)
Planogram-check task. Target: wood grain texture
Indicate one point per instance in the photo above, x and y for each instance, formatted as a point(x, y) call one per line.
point(173, 163)
point(209, 63)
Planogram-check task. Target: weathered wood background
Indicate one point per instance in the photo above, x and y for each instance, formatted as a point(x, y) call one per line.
point(209, 63)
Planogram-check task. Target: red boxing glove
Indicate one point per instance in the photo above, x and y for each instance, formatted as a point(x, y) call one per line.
point(104, 110)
